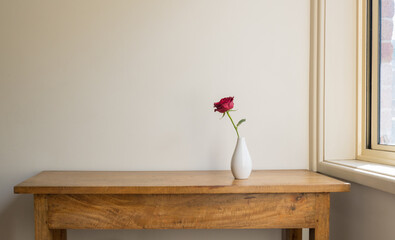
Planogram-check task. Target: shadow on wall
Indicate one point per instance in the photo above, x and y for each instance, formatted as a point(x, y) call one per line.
point(362, 214)
point(17, 219)
point(190, 234)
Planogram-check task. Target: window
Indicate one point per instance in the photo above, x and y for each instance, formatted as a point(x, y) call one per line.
point(382, 75)
point(352, 113)
point(379, 87)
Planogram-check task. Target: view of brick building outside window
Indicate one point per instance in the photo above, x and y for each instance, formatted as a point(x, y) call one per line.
point(387, 75)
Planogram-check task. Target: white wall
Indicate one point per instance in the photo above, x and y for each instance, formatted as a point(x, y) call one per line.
point(340, 79)
point(129, 85)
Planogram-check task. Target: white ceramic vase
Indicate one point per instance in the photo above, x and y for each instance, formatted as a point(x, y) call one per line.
point(241, 164)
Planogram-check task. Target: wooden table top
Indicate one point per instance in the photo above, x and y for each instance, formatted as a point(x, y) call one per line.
point(178, 182)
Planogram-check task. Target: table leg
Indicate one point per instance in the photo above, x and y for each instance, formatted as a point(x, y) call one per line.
point(292, 234)
point(321, 231)
point(41, 221)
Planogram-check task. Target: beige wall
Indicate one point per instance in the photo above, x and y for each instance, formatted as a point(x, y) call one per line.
point(362, 214)
point(129, 85)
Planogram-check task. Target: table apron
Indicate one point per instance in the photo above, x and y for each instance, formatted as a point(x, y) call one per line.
point(182, 211)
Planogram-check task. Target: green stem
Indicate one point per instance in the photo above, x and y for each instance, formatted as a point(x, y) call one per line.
point(227, 112)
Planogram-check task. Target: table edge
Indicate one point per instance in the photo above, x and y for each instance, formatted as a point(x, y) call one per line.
point(345, 187)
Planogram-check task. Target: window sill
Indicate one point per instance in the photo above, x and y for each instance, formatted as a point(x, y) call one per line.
point(378, 176)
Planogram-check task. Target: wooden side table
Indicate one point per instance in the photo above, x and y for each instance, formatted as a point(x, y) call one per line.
point(287, 199)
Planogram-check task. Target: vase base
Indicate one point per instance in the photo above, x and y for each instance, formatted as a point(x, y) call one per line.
point(241, 178)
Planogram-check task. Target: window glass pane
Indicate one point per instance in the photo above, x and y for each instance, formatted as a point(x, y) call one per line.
point(387, 74)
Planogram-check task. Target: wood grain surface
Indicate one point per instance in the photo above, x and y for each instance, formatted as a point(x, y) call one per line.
point(178, 182)
point(42, 230)
point(202, 211)
point(321, 230)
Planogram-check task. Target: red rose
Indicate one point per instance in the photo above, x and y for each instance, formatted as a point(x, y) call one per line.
point(224, 105)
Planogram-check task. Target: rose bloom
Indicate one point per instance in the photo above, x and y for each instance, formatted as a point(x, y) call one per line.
point(224, 105)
